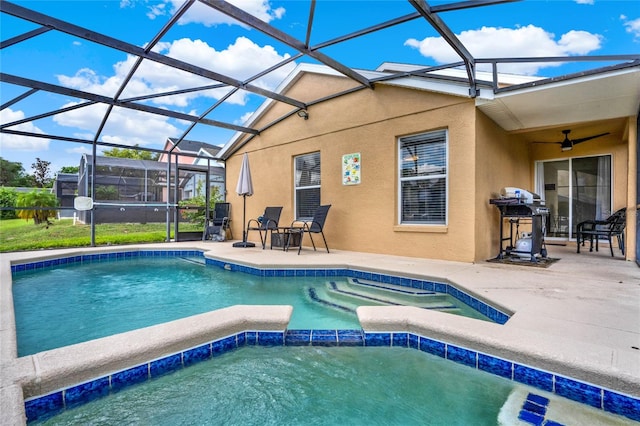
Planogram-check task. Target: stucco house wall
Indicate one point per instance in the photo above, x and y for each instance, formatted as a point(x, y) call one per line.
point(364, 217)
point(483, 158)
point(501, 160)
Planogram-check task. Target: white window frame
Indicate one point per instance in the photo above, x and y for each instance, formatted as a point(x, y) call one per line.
point(445, 176)
point(296, 177)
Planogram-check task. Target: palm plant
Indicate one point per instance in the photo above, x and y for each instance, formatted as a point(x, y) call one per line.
point(41, 203)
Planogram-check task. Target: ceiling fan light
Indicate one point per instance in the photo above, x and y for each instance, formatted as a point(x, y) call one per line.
point(566, 148)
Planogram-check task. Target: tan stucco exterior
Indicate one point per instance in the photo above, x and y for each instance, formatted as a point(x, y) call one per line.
point(483, 158)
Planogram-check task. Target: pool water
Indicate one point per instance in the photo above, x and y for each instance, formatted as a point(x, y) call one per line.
point(307, 386)
point(89, 301)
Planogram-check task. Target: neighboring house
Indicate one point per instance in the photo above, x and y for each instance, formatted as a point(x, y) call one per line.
point(195, 153)
point(130, 190)
point(206, 157)
point(430, 157)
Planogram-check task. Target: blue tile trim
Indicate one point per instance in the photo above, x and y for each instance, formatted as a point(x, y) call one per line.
point(538, 399)
point(86, 392)
point(44, 406)
point(195, 355)
point(297, 338)
point(623, 405)
point(433, 347)
point(581, 392)
point(350, 338)
point(377, 339)
point(222, 346)
point(270, 338)
point(324, 337)
point(496, 366)
point(462, 356)
point(400, 339)
point(533, 377)
point(165, 365)
point(533, 410)
point(123, 379)
point(102, 257)
point(531, 418)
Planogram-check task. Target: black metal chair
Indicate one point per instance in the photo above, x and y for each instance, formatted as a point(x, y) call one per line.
point(217, 226)
point(266, 223)
point(313, 226)
point(611, 227)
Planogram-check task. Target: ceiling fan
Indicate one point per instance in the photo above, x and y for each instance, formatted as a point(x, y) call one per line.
point(567, 144)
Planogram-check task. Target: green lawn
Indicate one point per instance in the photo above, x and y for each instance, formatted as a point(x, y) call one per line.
point(19, 234)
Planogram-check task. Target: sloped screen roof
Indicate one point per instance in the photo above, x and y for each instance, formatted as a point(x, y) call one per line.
point(220, 88)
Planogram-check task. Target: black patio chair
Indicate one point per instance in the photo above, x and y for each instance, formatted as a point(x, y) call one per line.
point(611, 227)
point(217, 226)
point(313, 226)
point(266, 223)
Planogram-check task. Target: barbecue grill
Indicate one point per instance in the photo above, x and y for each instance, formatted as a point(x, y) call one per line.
point(520, 207)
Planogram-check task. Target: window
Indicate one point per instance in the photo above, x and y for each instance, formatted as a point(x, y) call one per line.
point(307, 184)
point(423, 178)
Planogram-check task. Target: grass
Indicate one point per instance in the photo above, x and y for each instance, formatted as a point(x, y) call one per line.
point(19, 234)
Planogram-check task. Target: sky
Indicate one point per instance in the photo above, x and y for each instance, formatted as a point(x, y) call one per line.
point(213, 41)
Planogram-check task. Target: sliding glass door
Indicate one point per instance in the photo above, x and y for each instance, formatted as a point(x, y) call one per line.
point(574, 190)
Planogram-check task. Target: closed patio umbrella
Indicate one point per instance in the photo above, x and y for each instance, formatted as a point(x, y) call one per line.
point(244, 188)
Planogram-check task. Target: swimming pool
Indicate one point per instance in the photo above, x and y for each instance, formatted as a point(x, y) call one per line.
point(40, 401)
point(104, 296)
point(328, 377)
point(307, 386)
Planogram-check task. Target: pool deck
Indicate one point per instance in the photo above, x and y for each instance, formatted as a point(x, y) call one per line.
point(580, 316)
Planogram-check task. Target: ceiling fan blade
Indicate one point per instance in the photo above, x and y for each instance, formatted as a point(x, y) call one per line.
point(575, 141)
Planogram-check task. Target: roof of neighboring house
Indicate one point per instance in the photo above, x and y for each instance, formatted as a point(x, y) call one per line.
point(194, 147)
point(139, 164)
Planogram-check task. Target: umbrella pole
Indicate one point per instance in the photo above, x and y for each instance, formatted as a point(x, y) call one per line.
point(244, 242)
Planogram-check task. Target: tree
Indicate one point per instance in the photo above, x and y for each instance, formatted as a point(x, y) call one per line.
point(37, 199)
point(70, 169)
point(8, 197)
point(199, 202)
point(135, 153)
point(13, 174)
point(42, 173)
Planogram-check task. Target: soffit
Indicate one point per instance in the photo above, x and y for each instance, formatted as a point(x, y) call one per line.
point(593, 98)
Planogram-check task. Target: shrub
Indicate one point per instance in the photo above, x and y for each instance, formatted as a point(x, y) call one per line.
point(8, 197)
point(198, 203)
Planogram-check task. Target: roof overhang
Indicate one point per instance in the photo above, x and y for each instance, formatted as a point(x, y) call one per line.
point(594, 97)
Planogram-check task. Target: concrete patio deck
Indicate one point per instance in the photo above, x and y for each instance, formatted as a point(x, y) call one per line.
point(580, 316)
point(583, 308)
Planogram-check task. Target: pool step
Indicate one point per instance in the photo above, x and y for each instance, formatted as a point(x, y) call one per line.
point(389, 296)
point(194, 260)
point(390, 287)
point(348, 295)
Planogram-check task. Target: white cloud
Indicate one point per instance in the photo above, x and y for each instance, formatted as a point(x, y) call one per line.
point(243, 120)
point(239, 60)
point(17, 142)
point(81, 149)
point(631, 26)
point(491, 42)
point(200, 13)
point(156, 10)
point(126, 127)
point(585, 1)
